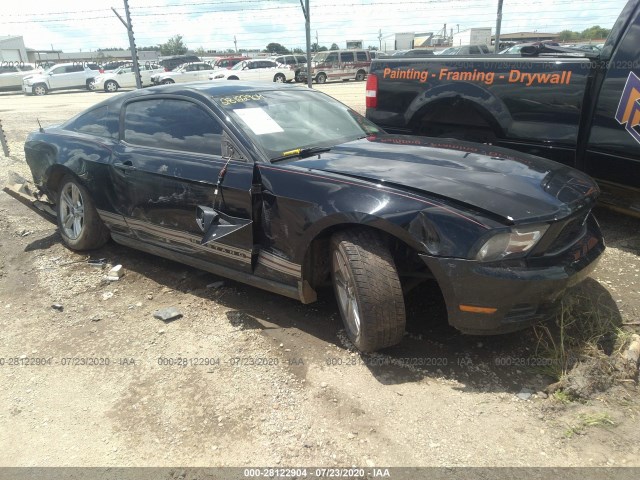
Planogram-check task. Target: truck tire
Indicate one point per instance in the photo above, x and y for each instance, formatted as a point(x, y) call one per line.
point(367, 289)
point(39, 89)
point(360, 75)
point(78, 221)
point(321, 78)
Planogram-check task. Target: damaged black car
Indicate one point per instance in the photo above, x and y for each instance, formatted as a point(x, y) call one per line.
point(286, 189)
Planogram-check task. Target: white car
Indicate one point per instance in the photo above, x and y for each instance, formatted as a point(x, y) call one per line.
point(188, 72)
point(123, 77)
point(63, 76)
point(256, 70)
point(12, 73)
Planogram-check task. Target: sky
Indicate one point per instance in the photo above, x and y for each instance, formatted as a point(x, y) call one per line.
point(78, 25)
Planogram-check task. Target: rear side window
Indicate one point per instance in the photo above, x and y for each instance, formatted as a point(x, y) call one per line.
point(96, 122)
point(346, 57)
point(362, 56)
point(172, 124)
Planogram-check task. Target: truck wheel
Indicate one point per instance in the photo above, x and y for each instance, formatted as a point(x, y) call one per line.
point(279, 78)
point(78, 221)
point(321, 78)
point(367, 290)
point(360, 75)
point(40, 89)
point(110, 86)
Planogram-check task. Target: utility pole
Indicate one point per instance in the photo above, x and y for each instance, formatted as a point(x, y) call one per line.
point(307, 27)
point(380, 39)
point(132, 42)
point(498, 25)
point(235, 43)
point(317, 44)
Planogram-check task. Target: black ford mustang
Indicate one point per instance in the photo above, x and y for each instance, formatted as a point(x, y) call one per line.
point(286, 189)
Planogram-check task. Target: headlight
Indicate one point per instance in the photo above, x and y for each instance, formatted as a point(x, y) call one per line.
point(220, 75)
point(505, 244)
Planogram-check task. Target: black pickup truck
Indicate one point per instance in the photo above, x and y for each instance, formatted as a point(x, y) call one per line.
point(576, 108)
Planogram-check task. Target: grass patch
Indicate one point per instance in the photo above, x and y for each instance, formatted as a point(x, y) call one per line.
point(589, 420)
point(580, 348)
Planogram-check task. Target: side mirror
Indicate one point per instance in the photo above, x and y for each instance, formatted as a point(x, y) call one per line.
point(205, 217)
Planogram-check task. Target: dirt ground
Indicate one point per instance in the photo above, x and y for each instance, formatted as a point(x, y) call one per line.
point(248, 378)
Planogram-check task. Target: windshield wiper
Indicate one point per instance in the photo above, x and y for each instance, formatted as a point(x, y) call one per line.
point(300, 152)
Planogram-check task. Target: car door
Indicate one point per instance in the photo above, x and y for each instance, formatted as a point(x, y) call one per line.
point(203, 71)
point(168, 163)
point(266, 70)
point(9, 77)
point(347, 63)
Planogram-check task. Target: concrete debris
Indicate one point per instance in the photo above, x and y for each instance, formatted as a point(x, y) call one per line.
point(116, 271)
point(525, 394)
point(57, 306)
point(167, 314)
point(219, 284)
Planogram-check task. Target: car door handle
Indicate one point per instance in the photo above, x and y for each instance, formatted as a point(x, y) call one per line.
point(125, 166)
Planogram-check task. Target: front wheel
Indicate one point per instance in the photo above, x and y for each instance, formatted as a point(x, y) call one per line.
point(321, 78)
point(39, 89)
point(78, 221)
point(367, 289)
point(167, 81)
point(110, 86)
point(360, 75)
point(279, 78)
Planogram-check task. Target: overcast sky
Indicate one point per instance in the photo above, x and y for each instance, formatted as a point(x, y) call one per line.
point(73, 25)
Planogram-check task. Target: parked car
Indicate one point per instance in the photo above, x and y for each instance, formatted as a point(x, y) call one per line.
point(294, 62)
point(63, 76)
point(466, 50)
point(111, 66)
point(338, 65)
point(11, 75)
point(517, 49)
point(124, 77)
point(189, 72)
point(287, 189)
point(227, 62)
point(256, 70)
point(173, 62)
point(416, 52)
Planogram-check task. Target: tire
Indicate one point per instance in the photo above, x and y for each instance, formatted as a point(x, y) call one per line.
point(367, 289)
point(167, 81)
point(111, 86)
point(39, 89)
point(233, 78)
point(321, 78)
point(360, 75)
point(298, 78)
point(78, 221)
point(279, 78)
point(89, 84)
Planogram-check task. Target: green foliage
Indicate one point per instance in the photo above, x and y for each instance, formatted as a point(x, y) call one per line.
point(200, 51)
point(592, 33)
point(334, 46)
point(276, 48)
point(174, 46)
point(298, 50)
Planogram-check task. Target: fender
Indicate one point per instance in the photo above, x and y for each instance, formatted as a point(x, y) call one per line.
point(490, 107)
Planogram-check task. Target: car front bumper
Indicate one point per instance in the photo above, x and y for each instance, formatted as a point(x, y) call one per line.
point(522, 294)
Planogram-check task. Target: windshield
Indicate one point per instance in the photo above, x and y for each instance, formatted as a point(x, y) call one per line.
point(239, 66)
point(282, 123)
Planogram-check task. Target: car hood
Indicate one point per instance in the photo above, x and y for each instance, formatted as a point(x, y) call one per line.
point(514, 186)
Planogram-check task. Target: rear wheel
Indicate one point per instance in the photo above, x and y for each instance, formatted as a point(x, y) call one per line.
point(89, 84)
point(232, 78)
point(167, 81)
point(39, 89)
point(360, 75)
point(110, 86)
point(367, 289)
point(279, 78)
point(321, 78)
point(78, 221)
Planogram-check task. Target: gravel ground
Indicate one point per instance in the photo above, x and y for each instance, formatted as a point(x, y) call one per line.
point(246, 377)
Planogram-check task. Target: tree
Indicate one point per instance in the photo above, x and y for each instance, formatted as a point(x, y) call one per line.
point(276, 48)
point(174, 46)
point(200, 51)
point(298, 50)
point(595, 32)
point(372, 47)
point(567, 36)
point(334, 46)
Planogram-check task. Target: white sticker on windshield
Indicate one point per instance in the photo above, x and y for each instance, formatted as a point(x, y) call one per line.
point(258, 120)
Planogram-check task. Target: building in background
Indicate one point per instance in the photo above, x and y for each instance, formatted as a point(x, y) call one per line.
point(472, 36)
point(12, 49)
